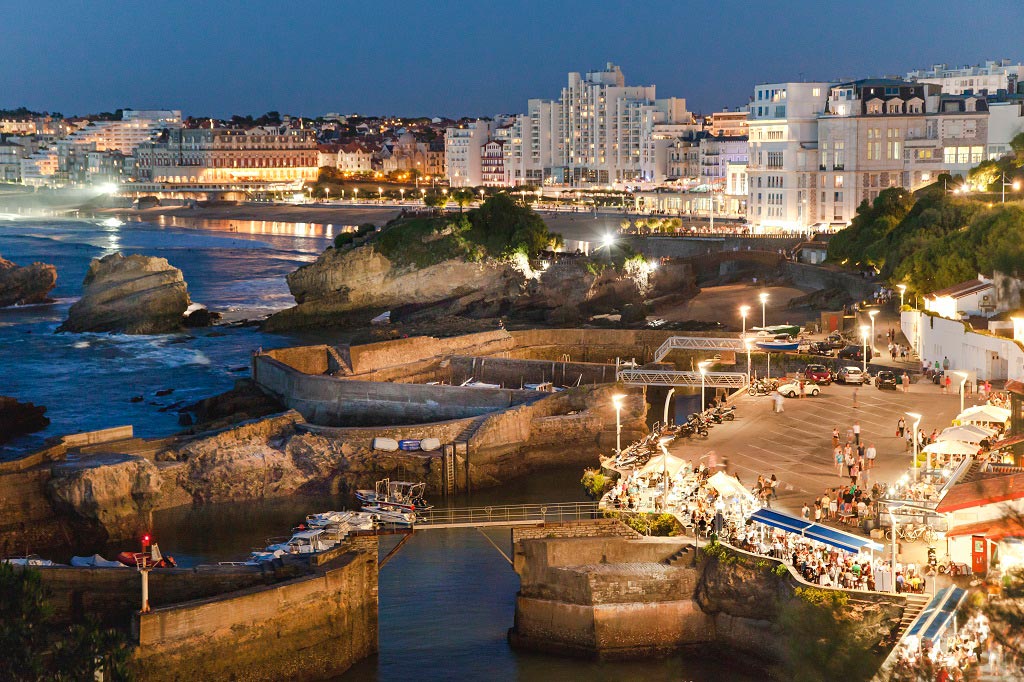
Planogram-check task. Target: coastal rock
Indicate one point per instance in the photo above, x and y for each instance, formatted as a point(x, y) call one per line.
point(112, 492)
point(27, 284)
point(343, 282)
point(131, 295)
point(18, 419)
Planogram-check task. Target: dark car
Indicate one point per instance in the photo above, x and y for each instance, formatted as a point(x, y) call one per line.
point(886, 379)
point(835, 341)
point(821, 348)
point(819, 374)
point(852, 352)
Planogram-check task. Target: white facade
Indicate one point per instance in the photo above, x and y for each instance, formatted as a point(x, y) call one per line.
point(989, 357)
point(783, 154)
point(462, 148)
point(716, 156)
point(990, 77)
point(1005, 121)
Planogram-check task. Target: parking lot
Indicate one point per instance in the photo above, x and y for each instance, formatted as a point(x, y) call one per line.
point(796, 445)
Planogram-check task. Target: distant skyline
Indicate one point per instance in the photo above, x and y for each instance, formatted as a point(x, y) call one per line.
point(465, 59)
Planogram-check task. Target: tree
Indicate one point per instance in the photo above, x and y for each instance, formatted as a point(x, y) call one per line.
point(1017, 145)
point(504, 227)
point(435, 200)
point(462, 197)
point(821, 639)
point(985, 174)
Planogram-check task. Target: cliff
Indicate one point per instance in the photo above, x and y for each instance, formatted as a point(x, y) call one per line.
point(17, 419)
point(131, 295)
point(27, 284)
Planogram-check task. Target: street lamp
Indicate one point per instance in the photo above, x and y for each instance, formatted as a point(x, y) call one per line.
point(963, 381)
point(1015, 185)
point(402, 193)
point(617, 402)
point(380, 194)
point(864, 338)
point(746, 342)
point(903, 290)
point(917, 423)
point(664, 470)
point(327, 191)
point(355, 194)
point(744, 309)
point(892, 522)
point(872, 314)
point(702, 366)
point(668, 399)
point(764, 300)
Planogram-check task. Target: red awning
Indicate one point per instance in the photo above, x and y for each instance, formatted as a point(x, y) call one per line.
point(981, 492)
point(994, 530)
point(1007, 442)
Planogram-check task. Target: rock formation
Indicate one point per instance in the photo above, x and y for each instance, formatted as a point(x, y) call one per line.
point(17, 419)
point(25, 285)
point(346, 281)
point(131, 295)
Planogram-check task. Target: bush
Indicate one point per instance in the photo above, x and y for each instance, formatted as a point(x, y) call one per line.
point(596, 483)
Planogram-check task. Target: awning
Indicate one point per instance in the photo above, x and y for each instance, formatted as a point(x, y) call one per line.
point(1007, 442)
point(995, 530)
point(969, 433)
point(935, 618)
point(814, 531)
point(984, 414)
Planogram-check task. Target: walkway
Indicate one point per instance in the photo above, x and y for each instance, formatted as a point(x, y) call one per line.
point(505, 515)
point(669, 377)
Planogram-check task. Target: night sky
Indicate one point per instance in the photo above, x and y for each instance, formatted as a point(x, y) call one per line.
point(464, 58)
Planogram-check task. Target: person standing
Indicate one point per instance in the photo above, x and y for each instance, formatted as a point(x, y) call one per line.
point(870, 455)
point(806, 512)
point(837, 454)
point(901, 427)
point(855, 397)
point(774, 483)
point(856, 432)
point(835, 436)
point(905, 381)
point(848, 457)
point(945, 363)
point(947, 382)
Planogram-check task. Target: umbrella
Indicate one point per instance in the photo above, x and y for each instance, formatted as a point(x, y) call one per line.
point(728, 486)
point(659, 464)
point(951, 447)
point(969, 433)
point(984, 413)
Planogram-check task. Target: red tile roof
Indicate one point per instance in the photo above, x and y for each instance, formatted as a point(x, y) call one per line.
point(962, 289)
point(982, 492)
point(996, 530)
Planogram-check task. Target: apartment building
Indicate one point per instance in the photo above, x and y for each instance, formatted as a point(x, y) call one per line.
point(717, 154)
point(462, 152)
point(226, 158)
point(729, 123)
point(782, 152)
point(988, 78)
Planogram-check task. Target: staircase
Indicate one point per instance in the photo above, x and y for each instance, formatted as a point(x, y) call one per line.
point(916, 603)
point(683, 556)
point(458, 447)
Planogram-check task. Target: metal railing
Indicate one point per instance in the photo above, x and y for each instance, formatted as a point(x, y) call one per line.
point(665, 377)
point(506, 515)
point(697, 343)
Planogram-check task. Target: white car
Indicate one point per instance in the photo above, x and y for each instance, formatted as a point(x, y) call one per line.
point(791, 389)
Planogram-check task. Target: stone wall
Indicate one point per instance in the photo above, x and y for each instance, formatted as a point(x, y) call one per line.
point(375, 356)
point(312, 627)
point(810, 276)
point(514, 373)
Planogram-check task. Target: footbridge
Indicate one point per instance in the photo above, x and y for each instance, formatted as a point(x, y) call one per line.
point(698, 343)
point(505, 515)
point(670, 377)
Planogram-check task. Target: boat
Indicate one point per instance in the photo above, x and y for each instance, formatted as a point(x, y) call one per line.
point(430, 444)
point(355, 520)
point(30, 560)
point(775, 330)
point(409, 444)
point(776, 345)
point(401, 495)
point(470, 383)
point(95, 561)
point(303, 542)
point(385, 444)
point(392, 515)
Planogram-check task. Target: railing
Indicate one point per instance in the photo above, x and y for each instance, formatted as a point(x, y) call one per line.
point(664, 377)
point(506, 515)
point(697, 343)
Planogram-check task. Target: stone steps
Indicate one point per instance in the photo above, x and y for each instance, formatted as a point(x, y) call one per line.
point(682, 556)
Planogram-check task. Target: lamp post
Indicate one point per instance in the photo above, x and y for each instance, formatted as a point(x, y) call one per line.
point(963, 381)
point(617, 402)
point(744, 309)
point(1015, 185)
point(746, 342)
point(872, 314)
point(764, 300)
point(402, 193)
point(355, 195)
point(664, 472)
point(668, 399)
point(380, 194)
point(903, 290)
point(327, 191)
point(892, 574)
point(702, 366)
point(917, 423)
point(864, 339)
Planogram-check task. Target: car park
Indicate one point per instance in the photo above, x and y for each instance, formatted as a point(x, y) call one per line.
point(852, 375)
point(791, 388)
point(819, 374)
point(886, 379)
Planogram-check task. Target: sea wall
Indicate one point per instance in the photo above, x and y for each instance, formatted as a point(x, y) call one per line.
point(809, 276)
point(312, 627)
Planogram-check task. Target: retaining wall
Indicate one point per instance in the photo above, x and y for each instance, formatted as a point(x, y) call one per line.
point(810, 276)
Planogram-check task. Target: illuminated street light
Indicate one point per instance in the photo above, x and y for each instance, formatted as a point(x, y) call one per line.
point(917, 423)
point(744, 309)
point(764, 300)
point(903, 290)
point(872, 314)
point(864, 338)
point(617, 402)
point(746, 342)
point(702, 366)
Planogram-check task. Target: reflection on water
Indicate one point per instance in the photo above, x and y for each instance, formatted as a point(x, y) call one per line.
point(254, 227)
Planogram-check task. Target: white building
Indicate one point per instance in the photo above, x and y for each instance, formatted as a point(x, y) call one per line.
point(1005, 121)
point(988, 78)
point(462, 151)
point(783, 155)
point(716, 156)
point(973, 297)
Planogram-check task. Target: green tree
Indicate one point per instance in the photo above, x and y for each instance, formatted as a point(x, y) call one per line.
point(435, 200)
point(462, 197)
point(504, 227)
point(625, 224)
point(821, 639)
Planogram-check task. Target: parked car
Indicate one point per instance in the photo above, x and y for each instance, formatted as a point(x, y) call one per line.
point(886, 379)
point(852, 375)
point(820, 348)
point(791, 388)
point(852, 352)
point(819, 374)
point(835, 340)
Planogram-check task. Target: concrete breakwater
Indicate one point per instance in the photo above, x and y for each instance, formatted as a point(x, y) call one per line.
point(615, 596)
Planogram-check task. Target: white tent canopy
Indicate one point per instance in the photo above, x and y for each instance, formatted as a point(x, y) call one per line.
point(968, 433)
point(984, 414)
point(728, 486)
point(658, 464)
point(951, 447)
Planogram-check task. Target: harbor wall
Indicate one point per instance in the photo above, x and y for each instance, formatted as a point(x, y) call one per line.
point(313, 627)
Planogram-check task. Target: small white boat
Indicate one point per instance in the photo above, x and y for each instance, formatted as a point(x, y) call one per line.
point(95, 561)
point(31, 560)
point(392, 515)
point(385, 444)
point(383, 318)
point(304, 542)
point(430, 444)
point(470, 383)
point(257, 557)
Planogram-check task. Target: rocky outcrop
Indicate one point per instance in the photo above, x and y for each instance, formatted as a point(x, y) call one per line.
point(343, 282)
point(131, 295)
point(27, 284)
point(111, 493)
point(18, 419)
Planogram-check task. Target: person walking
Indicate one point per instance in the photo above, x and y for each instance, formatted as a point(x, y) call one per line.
point(870, 455)
point(946, 383)
point(806, 512)
point(854, 473)
point(778, 402)
point(901, 427)
point(848, 458)
point(905, 382)
point(855, 397)
point(945, 363)
point(835, 436)
point(856, 432)
point(837, 454)
point(774, 484)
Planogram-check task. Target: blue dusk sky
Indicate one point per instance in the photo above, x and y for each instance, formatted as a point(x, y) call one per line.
point(464, 58)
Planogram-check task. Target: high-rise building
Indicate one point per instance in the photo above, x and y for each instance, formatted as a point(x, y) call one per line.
point(462, 148)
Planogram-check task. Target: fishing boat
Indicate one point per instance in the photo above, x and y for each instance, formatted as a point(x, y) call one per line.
point(400, 495)
point(775, 330)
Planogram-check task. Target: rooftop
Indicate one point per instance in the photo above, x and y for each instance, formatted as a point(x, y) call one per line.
point(962, 289)
point(981, 492)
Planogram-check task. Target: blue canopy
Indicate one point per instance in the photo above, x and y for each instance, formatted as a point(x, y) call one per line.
point(815, 531)
point(935, 618)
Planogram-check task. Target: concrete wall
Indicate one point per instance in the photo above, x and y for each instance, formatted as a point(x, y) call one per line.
point(988, 356)
point(309, 628)
point(828, 277)
point(375, 356)
point(678, 247)
point(514, 373)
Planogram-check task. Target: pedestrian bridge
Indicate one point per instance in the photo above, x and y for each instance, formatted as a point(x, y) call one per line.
point(505, 515)
point(669, 377)
point(698, 343)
